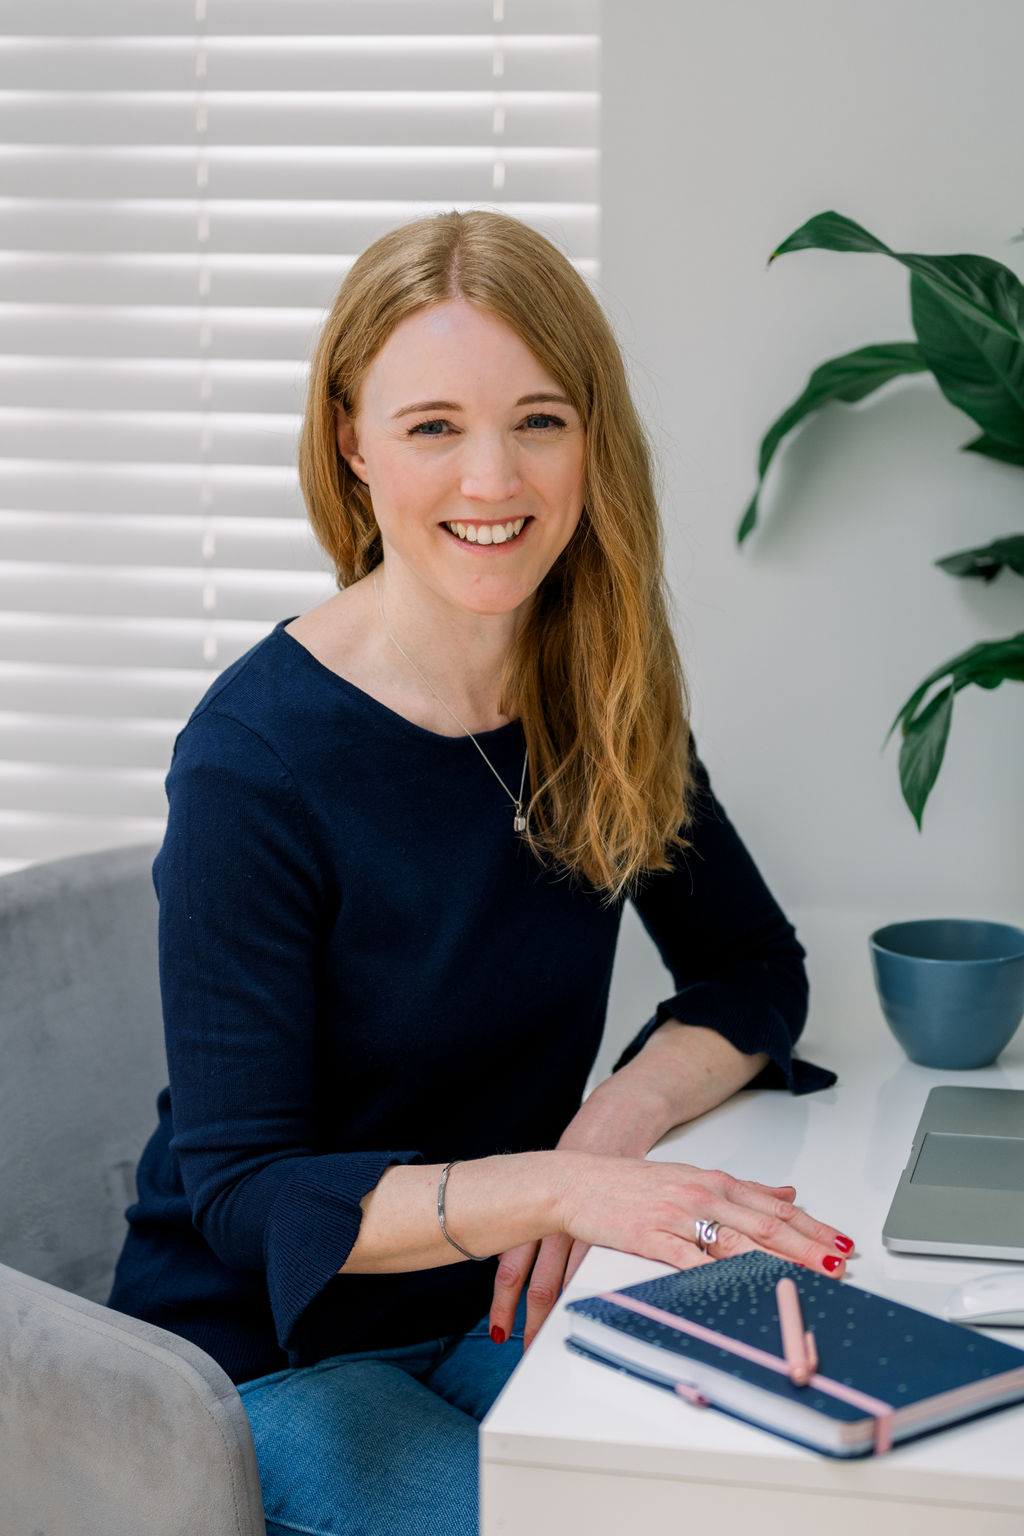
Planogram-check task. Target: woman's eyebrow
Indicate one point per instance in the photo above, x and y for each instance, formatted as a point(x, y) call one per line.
point(427, 405)
point(541, 398)
point(544, 398)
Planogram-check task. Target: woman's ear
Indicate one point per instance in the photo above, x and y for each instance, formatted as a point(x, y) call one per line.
point(348, 443)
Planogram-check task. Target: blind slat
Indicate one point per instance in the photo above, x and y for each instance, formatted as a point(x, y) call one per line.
point(165, 489)
point(244, 226)
point(150, 592)
point(165, 18)
point(270, 544)
point(67, 330)
point(98, 641)
point(304, 173)
point(326, 63)
point(94, 791)
point(134, 436)
point(547, 119)
point(105, 692)
point(128, 743)
point(152, 384)
point(160, 281)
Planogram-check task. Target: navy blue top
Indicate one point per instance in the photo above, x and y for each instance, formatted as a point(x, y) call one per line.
point(362, 964)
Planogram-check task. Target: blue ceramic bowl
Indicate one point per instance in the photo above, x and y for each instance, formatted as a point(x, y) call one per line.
point(951, 989)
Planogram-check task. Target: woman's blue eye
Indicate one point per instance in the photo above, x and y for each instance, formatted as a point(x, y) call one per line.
point(538, 421)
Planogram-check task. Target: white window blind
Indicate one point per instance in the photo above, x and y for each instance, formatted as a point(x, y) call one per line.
point(183, 184)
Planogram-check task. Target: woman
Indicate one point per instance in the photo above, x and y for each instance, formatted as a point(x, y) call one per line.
point(401, 831)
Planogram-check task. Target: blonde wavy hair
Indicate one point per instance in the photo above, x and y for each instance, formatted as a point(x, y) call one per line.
point(594, 674)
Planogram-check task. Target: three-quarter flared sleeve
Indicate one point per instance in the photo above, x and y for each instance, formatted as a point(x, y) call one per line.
point(735, 959)
point(243, 906)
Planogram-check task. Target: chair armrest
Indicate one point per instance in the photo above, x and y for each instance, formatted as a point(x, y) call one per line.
point(112, 1427)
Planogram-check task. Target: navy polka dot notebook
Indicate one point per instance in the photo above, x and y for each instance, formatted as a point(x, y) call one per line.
point(885, 1372)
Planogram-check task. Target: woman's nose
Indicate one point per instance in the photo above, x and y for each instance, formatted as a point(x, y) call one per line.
point(489, 471)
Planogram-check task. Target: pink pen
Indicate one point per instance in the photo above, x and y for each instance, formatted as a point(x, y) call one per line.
point(797, 1344)
point(812, 1352)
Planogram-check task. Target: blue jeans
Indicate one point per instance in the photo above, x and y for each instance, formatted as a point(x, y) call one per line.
point(382, 1443)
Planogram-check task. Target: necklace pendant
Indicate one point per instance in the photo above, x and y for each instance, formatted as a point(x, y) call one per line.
point(519, 823)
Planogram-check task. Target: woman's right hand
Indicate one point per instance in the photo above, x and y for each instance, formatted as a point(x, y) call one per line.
point(652, 1209)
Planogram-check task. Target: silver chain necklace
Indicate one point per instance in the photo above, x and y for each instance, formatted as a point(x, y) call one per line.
point(519, 820)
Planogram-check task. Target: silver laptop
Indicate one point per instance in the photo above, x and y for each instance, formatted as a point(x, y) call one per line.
point(962, 1191)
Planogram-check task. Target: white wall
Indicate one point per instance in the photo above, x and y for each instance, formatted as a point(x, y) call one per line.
point(726, 125)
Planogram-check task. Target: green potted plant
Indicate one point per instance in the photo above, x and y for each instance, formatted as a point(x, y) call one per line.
point(968, 316)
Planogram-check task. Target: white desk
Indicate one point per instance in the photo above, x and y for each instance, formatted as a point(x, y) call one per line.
point(572, 1446)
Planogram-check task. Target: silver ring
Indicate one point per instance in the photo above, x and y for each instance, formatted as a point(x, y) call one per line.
point(707, 1232)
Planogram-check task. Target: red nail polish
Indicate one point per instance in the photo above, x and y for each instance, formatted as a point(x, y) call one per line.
point(498, 1334)
point(844, 1244)
point(831, 1263)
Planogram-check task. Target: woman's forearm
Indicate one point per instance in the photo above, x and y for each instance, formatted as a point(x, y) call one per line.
point(491, 1204)
point(682, 1071)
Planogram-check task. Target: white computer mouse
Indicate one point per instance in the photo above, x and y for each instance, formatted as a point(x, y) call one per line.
point(994, 1300)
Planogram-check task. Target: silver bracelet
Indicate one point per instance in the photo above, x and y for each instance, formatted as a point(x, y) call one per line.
point(440, 1213)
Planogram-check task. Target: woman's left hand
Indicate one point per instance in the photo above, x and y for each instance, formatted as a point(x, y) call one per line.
point(617, 1120)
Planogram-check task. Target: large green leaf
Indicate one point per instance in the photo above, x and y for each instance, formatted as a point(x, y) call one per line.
point(986, 664)
point(979, 370)
point(850, 377)
point(988, 560)
point(983, 289)
point(992, 449)
point(922, 751)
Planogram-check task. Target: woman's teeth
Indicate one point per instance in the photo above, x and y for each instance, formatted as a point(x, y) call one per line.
point(487, 533)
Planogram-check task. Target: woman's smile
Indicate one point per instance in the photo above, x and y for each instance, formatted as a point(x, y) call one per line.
point(480, 535)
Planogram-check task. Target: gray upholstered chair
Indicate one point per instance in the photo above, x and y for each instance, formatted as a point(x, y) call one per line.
point(108, 1426)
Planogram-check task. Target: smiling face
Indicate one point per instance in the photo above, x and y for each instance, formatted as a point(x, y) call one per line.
point(473, 455)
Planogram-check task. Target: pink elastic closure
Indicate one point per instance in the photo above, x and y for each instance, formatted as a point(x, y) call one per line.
point(879, 1411)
